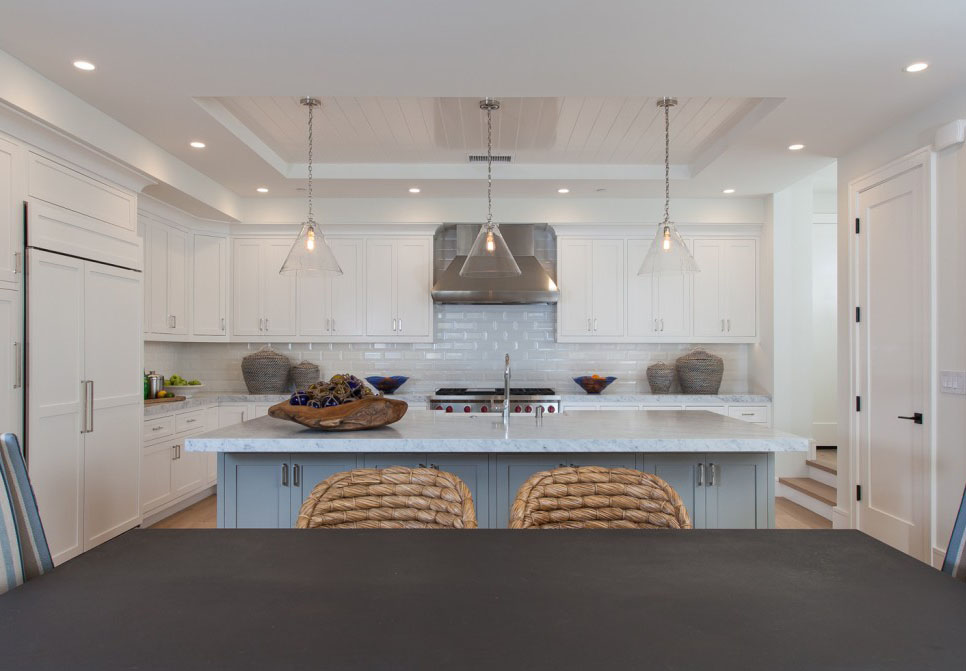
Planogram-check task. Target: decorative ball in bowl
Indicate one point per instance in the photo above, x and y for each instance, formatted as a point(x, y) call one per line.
point(594, 384)
point(387, 384)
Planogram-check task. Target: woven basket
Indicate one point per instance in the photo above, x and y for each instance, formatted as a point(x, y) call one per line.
point(304, 375)
point(699, 372)
point(660, 376)
point(266, 372)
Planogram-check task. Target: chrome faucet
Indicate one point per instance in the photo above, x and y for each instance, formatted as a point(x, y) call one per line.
point(506, 392)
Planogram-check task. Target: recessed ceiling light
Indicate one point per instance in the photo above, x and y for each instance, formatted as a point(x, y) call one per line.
point(84, 65)
point(262, 189)
point(414, 189)
point(912, 67)
point(728, 191)
point(197, 144)
point(796, 147)
point(565, 190)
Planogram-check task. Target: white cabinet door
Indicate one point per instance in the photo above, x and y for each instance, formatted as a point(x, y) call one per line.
point(246, 272)
point(608, 288)
point(741, 279)
point(575, 273)
point(156, 276)
point(709, 320)
point(380, 288)
point(157, 487)
point(641, 317)
point(346, 295)
point(11, 362)
point(232, 414)
point(112, 445)
point(278, 291)
point(413, 281)
point(54, 449)
point(672, 298)
point(12, 194)
point(209, 313)
point(189, 470)
point(177, 274)
point(313, 305)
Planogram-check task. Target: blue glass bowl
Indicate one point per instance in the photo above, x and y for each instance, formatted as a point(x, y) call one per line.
point(387, 384)
point(593, 385)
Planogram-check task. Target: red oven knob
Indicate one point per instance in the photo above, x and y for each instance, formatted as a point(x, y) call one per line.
point(517, 409)
point(551, 409)
point(484, 409)
point(439, 407)
point(528, 409)
point(449, 408)
point(467, 408)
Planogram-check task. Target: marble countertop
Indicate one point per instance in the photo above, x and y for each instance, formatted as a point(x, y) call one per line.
point(428, 431)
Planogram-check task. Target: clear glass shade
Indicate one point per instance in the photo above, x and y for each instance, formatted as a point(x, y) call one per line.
point(490, 256)
point(310, 254)
point(668, 253)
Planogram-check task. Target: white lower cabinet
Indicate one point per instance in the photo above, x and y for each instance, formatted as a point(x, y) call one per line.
point(169, 473)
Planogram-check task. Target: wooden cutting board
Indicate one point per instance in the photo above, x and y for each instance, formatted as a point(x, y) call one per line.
point(169, 399)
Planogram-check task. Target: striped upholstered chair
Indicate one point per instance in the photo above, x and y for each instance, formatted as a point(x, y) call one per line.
point(955, 562)
point(23, 546)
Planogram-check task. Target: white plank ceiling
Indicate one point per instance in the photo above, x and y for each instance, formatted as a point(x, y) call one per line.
point(567, 130)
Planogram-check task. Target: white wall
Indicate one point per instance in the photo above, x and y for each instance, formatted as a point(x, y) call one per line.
point(949, 424)
point(824, 361)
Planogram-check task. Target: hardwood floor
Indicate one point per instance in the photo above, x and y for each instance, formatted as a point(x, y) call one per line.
point(201, 515)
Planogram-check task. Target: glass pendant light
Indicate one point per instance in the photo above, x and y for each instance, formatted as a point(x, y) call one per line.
point(310, 254)
point(668, 253)
point(489, 256)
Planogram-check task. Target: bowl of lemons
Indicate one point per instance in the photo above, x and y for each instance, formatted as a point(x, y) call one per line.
point(175, 385)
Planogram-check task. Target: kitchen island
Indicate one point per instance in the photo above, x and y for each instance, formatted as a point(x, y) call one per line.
point(723, 468)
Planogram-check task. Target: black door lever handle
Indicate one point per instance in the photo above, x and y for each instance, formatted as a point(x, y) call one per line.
point(916, 417)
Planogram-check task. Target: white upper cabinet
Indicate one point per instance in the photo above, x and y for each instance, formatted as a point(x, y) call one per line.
point(263, 301)
point(209, 286)
point(166, 271)
point(726, 289)
point(399, 276)
point(12, 194)
point(333, 306)
point(592, 281)
point(658, 306)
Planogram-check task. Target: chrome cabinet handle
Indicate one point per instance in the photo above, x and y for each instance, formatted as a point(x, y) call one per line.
point(662, 325)
point(400, 324)
point(333, 324)
point(327, 324)
point(285, 475)
point(700, 475)
point(174, 452)
point(655, 323)
point(17, 365)
point(190, 421)
point(394, 325)
point(222, 323)
point(260, 322)
point(157, 428)
point(729, 326)
point(722, 325)
point(174, 321)
point(595, 323)
point(266, 323)
point(296, 475)
point(711, 478)
point(588, 324)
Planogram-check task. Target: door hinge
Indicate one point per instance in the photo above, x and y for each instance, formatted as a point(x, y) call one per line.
point(856, 225)
point(858, 314)
point(858, 492)
point(858, 404)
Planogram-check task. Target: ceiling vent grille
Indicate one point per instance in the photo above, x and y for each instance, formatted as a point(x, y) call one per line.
point(497, 158)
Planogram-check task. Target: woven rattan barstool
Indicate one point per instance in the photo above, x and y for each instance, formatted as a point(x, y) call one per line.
point(389, 498)
point(593, 497)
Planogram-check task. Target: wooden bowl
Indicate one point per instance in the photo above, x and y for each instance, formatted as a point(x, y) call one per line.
point(368, 413)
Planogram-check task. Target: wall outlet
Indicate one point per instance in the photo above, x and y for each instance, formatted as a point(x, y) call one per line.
point(952, 382)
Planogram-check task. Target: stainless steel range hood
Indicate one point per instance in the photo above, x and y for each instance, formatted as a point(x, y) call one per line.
point(533, 285)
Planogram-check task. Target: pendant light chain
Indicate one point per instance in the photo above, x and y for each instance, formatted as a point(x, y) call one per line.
point(489, 165)
point(667, 161)
point(311, 106)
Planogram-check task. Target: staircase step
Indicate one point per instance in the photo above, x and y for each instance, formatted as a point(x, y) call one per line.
point(812, 488)
point(826, 460)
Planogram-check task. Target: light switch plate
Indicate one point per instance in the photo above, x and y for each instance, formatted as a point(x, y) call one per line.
point(952, 382)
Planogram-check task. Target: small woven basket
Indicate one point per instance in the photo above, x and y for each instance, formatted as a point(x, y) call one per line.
point(660, 376)
point(304, 375)
point(699, 372)
point(266, 372)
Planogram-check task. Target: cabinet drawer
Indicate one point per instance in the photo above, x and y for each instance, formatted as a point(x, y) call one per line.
point(158, 427)
point(717, 409)
point(190, 421)
point(750, 413)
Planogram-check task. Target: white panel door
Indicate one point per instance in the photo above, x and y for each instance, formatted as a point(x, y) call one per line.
point(313, 304)
point(575, 277)
point(414, 267)
point(278, 291)
point(380, 288)
point(707, 309)
point(641, 317)
point(12, 194)
point(112, 445)
point(177, 276)
point(608, 288)
point(55, 366)
point(346, 303)
point(209, 313)
point(893, 361)
point(246, 273)
point(741, 281)
point(11, 363)
point(156, 276)
point(672, 293)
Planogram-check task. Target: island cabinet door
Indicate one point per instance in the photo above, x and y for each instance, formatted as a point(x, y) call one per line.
point(474, 470)
point(683, 473)
point(736, 491)
point(257, 491)
point(387, 459)
point(308, 470)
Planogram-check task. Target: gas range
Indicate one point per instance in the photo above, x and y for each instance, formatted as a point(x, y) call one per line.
point(523, 400)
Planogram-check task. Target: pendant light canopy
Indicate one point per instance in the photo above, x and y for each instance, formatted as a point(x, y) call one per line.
point(668, 253)
point(310, 254)
point(489, 256)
